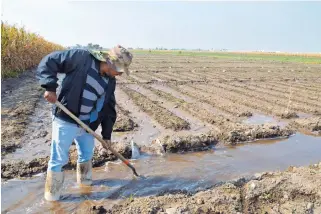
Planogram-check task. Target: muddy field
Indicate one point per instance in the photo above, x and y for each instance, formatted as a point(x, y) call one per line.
point(190, 104)
point(296, 190)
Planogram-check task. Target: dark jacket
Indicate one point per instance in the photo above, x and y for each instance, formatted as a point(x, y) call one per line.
point(75, 64)
point(107, 116)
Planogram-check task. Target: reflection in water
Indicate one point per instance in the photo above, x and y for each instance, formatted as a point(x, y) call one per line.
point(189, 171)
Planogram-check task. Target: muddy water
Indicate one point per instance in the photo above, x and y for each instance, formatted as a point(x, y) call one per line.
point(190, 171)
point(36, 139)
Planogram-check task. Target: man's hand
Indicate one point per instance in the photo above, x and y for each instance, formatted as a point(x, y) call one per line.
point(50, 96)
point(108, 143)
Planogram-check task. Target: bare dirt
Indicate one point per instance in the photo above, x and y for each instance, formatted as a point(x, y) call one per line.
point(295, 190)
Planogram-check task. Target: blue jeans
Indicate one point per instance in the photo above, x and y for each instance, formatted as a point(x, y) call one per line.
point(63, 133)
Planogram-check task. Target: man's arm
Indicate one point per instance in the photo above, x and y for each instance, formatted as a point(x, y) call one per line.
point(109, 119)
point(58, 62)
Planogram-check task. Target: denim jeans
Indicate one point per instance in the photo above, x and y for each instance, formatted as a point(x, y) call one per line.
point(63, 133)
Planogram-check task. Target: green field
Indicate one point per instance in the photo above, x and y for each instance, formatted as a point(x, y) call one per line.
point(241, 56)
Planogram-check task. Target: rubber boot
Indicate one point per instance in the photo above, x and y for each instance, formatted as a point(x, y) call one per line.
point(84, 173)
point(53, 186)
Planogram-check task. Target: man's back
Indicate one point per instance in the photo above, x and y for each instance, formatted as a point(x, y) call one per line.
point(75, 65)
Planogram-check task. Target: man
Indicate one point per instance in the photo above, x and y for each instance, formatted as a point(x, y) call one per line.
point(88, 92)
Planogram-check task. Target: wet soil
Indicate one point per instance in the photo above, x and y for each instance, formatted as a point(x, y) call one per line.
point(174, 143)
point(180, 143)
point(240, 133)
point(123, 122)
point(19, 97)
point(36, 137)
point(312, 124)
point(296, 189)
point(21, 168)
point(229, 131)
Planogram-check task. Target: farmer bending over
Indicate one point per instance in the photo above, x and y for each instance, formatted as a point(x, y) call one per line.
point(88, 92)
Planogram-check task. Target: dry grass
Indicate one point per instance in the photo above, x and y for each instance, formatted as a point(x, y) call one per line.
point(22, 50)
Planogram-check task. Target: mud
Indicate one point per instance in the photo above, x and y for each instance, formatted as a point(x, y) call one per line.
point(101, 155)
point(188, 143)
point(288, 115)
point(97, 210)
point(19, 97)
point(295, 190)
point(190, 172)
point(180, 143)
point(230, 132)
point(312, 124)
point(21, 168)
point(124, 122)
point(245, 114)
point(240, 133)
point(173, 143)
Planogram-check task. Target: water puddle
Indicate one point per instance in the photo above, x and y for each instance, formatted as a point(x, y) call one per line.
point(190, 171)
point(258, 119)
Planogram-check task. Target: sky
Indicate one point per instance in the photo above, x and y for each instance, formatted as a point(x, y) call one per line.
point(243, 26)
